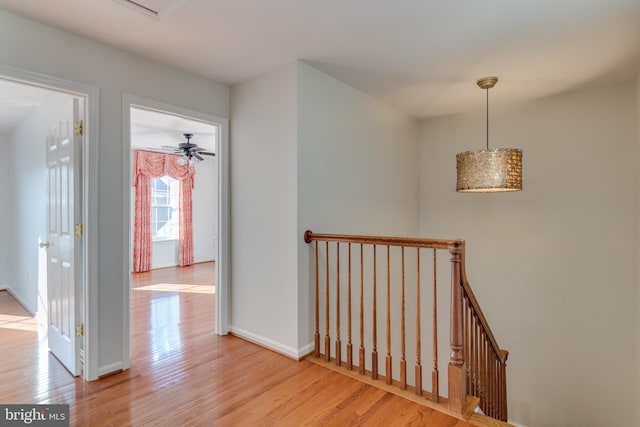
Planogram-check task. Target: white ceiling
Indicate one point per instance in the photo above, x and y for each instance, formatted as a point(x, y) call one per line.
point(421, 56)
point(152, 129)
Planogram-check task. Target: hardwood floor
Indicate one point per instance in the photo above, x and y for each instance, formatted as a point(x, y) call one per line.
point(183, 374)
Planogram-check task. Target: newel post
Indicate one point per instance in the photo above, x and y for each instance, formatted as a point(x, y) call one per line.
point(457, 374)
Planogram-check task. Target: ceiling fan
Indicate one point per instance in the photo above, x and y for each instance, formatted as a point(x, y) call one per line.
point(191, 153)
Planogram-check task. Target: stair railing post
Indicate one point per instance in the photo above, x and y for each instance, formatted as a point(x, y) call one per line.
point(457, 376)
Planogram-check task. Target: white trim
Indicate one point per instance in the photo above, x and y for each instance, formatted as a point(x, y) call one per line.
point(222, 154)
point(306, 350)
point(223, 261)
point(111, 368)
point(270, 344)
point(90, 199)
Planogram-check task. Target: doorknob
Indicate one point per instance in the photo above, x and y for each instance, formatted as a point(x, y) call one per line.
point(44, 244)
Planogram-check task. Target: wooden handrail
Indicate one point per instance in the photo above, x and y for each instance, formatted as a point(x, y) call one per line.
point(407, 242)
point(477, 364)
point(476, 307)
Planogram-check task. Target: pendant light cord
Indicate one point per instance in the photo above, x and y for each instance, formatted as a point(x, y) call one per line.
point(487, 118)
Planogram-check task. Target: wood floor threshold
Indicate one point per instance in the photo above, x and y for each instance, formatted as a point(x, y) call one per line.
point(425, 399)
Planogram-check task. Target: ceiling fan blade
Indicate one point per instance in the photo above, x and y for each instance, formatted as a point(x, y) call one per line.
point(206, 153)
point(160, 150)
point(197, 156)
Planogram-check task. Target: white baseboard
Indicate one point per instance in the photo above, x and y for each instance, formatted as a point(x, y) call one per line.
point(110, 368)
point(306, 350)
point(22, 301)
point(285, 350)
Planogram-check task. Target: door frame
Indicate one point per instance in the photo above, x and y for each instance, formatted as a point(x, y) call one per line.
point(89, 196)
point(223, 263)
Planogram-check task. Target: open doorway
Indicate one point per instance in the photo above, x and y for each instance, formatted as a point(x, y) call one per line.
point(170, 285)
point(44, 257)
point(168, 291)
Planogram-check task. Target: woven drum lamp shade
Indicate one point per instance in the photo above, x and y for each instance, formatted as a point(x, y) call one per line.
point(489, 171)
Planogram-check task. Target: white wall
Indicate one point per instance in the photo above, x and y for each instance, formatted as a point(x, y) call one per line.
point(264, 209)
point(308, 152)
point(554, 266)
point(57, 53)
point(357, 170)
point(5, 227)
point(205, 210)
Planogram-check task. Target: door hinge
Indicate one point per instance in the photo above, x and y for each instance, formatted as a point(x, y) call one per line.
point(79, 230)
point(80, 330)
point(78, 128)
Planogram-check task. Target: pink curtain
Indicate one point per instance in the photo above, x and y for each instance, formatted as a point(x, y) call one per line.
point(150, 165)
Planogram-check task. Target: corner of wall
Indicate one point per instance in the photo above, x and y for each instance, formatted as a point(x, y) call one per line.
point(637, 396)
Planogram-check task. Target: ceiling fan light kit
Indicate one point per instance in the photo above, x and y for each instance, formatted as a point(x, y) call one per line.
point(489, 170)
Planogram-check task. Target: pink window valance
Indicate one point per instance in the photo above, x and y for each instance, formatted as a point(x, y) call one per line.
point(148, 165)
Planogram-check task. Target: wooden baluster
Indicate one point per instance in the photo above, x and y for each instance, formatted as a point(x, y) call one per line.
point(349, 344)
point(470, 326)
point(491, 383)
point(487, 380)
point(327, 339)
point(361, 362)
point(503, 397)
point(480, 370)
point(435, 376)
point(496, 388)
point(316, 336)
point(503, 384)
point(403, 338)
point(418, 333)
point(388, 377)
point(483, 370)
point(499, 390)
point(467, 339)
point(486, 373)
point(338, 341)
point(457, 391)
point(487, 391)
point(476, 357)
point(374, 352)
point(469, 364)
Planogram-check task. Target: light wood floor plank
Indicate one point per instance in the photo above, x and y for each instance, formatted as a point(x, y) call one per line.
point(182, 374)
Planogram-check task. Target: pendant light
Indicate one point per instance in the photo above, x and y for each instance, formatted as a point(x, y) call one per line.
point(489, 170)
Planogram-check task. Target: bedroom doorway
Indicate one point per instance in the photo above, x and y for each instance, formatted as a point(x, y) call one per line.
point(165, 291)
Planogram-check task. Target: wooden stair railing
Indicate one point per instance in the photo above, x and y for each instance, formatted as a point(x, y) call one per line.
point(477, 365)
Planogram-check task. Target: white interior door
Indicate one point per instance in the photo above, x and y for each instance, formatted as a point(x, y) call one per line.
point(64, 253)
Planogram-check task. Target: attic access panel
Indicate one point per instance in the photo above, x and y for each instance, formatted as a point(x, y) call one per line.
point(158, 9)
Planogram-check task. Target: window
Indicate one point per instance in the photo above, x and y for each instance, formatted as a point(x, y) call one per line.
point(165, 207)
